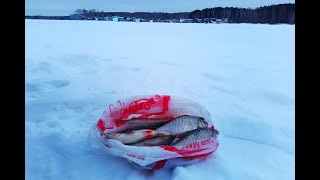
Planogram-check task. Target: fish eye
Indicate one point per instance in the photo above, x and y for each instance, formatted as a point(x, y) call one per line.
point(216, 131)
point(205, 123)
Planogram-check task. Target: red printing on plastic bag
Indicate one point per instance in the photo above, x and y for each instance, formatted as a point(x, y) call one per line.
point(200, 156)
point(181, 151)
point(143, 105)
point(101, 126)
point(140, 106)
point(141, 158)
point(159, 164)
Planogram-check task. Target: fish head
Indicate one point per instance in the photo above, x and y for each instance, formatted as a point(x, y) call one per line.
point(215, 133)
point(202, 122)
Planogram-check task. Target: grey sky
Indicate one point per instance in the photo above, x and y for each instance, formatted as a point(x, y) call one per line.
point(67, 7)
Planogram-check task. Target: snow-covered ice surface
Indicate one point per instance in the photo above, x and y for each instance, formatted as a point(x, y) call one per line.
point(242, 73)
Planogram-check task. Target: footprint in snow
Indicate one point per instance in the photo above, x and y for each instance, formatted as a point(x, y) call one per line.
point(46, 85)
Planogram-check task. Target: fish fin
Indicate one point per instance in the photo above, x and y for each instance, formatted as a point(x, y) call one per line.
point(148, 144)
point(129, 132)
point(163, 134)
point(175, 140)
point(181, 135)
point(148, 133)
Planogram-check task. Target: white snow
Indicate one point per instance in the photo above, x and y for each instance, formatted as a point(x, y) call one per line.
point(242, 73)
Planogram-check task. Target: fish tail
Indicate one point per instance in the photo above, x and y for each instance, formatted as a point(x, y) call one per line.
point(162, 134)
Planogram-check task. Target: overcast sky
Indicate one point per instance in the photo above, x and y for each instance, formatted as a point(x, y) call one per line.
point(67, 7)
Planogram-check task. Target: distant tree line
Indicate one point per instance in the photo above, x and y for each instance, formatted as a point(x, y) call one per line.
point(281, 13)
point(48, 17)
point(144, 15)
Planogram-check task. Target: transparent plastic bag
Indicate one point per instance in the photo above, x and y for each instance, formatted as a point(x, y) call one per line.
point(151, 106)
